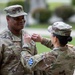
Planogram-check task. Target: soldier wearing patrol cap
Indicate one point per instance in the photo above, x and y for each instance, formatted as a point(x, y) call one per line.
point(15, 11)
point(61, 59)
point(12, 43)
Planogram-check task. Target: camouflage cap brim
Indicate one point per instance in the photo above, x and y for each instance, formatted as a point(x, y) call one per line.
point(50, 29)
point(18, 14)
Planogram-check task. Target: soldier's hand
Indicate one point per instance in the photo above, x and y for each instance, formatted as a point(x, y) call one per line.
point(27, 38)
point(36, 37)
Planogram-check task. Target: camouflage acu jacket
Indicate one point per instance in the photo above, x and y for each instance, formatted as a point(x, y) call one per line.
point(59, 61)
point(10, 54)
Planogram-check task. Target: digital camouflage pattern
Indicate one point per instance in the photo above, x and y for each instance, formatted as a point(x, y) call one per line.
point(11, 47)
point(65, 60)
point(10, 54)
point(59, 61)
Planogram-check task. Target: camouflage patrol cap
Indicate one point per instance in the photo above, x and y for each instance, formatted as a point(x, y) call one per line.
point(15, 11)
point(60, 28)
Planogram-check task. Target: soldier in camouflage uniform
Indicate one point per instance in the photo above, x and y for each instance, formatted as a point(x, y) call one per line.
point(61, 59)
point(11, 43)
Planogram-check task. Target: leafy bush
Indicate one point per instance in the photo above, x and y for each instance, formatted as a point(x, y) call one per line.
point(25, 4)
point(41, 14)
point(73, 2)
point(64, 12)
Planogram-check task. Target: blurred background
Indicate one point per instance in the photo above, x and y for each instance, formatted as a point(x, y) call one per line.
point(41, 14)
point(43, 11)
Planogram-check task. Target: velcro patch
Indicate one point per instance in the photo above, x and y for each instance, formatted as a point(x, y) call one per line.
point(30, 62)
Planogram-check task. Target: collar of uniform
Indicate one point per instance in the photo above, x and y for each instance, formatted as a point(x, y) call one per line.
point(61, 48)
point(13, 37)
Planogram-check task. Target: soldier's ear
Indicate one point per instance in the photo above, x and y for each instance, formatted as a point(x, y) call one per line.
point(54, 39)
point(8, 18)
